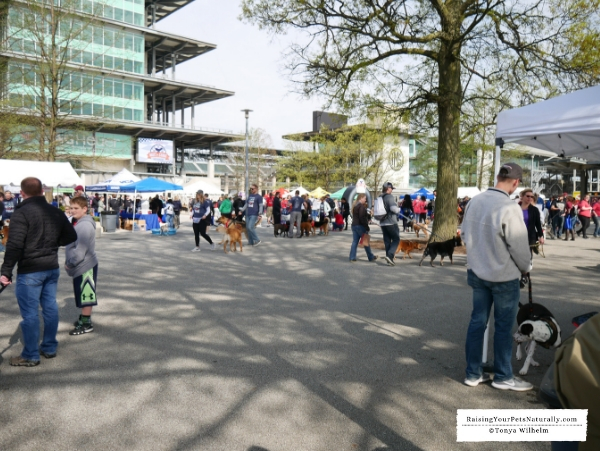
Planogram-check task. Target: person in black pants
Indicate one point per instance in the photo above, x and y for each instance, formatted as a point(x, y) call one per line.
point(345, 211)
point(201, 219)
point(277, 208)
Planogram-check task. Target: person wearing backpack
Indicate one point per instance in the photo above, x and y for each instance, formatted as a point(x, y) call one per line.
point(388, 220)
point(169, 213)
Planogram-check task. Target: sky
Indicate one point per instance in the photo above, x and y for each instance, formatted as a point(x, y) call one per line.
point(247, 61)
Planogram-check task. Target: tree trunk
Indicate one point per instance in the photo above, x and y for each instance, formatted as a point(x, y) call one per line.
point(450, 93)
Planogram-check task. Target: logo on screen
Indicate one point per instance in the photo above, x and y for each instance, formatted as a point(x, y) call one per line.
point(158, 152)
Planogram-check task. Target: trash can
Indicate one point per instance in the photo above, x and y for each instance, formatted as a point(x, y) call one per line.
point(108, 219)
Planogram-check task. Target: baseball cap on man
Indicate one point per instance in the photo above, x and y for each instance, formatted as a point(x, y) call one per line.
point(387, 185)
point(511, 171)
point(79, 188)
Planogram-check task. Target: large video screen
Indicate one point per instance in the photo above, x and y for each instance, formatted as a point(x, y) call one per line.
point(154, 151)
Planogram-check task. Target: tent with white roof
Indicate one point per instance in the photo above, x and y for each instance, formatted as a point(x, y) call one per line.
point(208, 188)
point(51, 173)
point(124, 177)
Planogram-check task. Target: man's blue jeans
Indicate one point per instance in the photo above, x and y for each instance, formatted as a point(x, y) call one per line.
point(34, 290)
point(505, 298)
point(251, 228)
point(391, 239)
point(357, 232)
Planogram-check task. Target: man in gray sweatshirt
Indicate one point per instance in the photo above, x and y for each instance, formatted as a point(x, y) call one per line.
point(389, 224)
point(497, 255)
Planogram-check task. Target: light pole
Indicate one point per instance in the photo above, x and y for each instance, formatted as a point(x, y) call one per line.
point(247, 177)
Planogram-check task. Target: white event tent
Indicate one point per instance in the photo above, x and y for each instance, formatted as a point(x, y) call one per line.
point(568, 125)
point(124, 177)
point(301, 189)
point(208, 188)
point(52, 174)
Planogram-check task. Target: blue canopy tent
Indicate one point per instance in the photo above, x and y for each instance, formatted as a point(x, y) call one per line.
point(149, 185)
point(422, 192)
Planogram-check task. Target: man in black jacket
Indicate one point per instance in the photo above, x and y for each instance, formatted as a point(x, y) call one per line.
point(37, 229)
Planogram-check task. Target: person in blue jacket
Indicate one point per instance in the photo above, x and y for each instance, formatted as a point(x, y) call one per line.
point(254, 210)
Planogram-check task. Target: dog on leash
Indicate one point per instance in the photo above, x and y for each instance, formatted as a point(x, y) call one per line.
point(240, 225)
point(231, 235)
point(536, 326)
point(421, 228)
point(443, 249)
point(306, 228)
point(5, 231)
point(407, 247)
point(281, 229)
point(323, 227)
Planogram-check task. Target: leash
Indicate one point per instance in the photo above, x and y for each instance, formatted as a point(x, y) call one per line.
point(538, 249)
point(421, 225)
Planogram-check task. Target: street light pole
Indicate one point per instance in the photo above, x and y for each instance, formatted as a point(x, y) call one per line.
point(247, 182)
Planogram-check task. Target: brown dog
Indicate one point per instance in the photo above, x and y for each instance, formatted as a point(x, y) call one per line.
point(407, 247)
point(421, 228)
point(240, 225)
point(5, 231)
point(307, 227)
point(231, 235)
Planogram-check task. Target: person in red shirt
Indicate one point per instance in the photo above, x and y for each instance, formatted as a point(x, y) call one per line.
point(585, 214)
point(269, 200)
point(596, 217)
point(338, 223)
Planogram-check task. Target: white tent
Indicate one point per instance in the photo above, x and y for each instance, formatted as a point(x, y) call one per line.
point(52, 174)
point(124, 177)
point(203, 185)
point(470, 191)
point(301, 189)
point(568, 125)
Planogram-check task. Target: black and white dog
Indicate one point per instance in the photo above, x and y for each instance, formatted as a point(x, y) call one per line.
point(536, 326)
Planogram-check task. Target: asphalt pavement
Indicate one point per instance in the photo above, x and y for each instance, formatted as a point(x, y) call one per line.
point(284, 346)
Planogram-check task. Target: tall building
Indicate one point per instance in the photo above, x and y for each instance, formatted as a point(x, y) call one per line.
point(117, 83)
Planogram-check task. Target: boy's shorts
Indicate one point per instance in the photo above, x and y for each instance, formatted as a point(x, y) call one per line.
point(84, 287)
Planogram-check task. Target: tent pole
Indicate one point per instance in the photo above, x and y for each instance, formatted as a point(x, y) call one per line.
point(133, 217)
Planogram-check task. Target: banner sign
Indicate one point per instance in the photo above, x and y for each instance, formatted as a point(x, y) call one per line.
point(155, 151)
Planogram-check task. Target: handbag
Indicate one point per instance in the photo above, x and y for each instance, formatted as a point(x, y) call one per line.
point(365, 240)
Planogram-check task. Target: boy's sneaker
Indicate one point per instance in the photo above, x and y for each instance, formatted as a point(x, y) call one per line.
point(485, 377)
point(82, 328)
point(196, 249)
point(212, 247)
point(514, 384)
point(20, 361)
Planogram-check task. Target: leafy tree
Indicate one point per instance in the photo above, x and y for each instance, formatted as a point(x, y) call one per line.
point(428, 57)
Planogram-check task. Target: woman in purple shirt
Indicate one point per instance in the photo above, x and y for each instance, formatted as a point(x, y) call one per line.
point(531, 216)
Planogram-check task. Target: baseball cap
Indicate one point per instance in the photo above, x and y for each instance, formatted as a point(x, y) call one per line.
point(79, 188)
point(199, 192)
point(387, 185)
point(511, 171)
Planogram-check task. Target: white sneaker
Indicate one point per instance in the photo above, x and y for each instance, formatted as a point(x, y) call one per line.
point(485, 377)
point(212, 247)
point(196, 249)
point(514, 384)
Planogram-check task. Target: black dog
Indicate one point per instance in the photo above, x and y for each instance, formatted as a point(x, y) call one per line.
point(281, 229)
point(444, 249)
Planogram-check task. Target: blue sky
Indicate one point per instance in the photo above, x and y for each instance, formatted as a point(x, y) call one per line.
point(247, 61)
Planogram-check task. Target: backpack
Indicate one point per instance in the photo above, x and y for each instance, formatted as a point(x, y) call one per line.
point(380, 211)
point(169, 210)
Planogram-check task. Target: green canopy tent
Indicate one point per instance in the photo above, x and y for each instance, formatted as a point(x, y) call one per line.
point(338, 194)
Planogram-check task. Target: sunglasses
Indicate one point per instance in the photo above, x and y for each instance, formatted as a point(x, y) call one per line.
point(531, 197)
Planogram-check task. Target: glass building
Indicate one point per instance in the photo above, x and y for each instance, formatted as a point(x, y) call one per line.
point(115, 70)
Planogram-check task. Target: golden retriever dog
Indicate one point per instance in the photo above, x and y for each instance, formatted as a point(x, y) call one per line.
point(421, 228)
point(231, 235)
point(240, 225)
point(5, 231)
point(407, 247)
